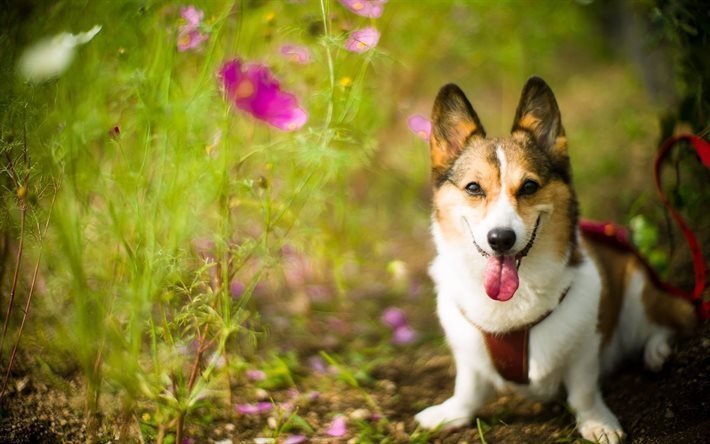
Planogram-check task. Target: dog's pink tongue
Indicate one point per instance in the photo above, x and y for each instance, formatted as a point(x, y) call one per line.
point(501, 277)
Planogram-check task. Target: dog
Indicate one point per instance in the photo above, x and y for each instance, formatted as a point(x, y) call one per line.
point(527, 302)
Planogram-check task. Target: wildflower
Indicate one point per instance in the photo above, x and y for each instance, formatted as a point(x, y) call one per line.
point(402, 333)
point(317, 364)
point(295, 439)
point(115, 133)
point(345, 82)
point(394, 317)
point(362, 40)
point(192, 16)
point(236, 289)
point(254, 409)
point(400, 274)
point(337, 428)
point(189, 34)
point(49, 58)
point(365, 8)
point(255, 375)
point(296, 53)
point(420, 125)
point(253, 89)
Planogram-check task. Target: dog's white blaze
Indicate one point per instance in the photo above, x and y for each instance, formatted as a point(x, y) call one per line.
point(501, 213)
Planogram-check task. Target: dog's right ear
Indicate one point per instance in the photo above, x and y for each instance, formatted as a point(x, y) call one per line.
point(453, 122)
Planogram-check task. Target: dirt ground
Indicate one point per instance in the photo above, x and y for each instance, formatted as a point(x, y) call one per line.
point(672, 406)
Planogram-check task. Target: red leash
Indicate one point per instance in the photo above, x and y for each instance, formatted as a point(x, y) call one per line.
point(702, 148)
point(617, 236)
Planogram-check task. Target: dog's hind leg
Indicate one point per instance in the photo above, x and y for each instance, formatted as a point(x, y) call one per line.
point(666, 315)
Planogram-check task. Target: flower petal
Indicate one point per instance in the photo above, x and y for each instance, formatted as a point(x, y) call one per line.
point(254, 409)
point(252, 88)
point(403, 335)
point(394, 317)
point(337, 428)
point(365, 8)
point(295, 439)
point(296, 53)
point(362, 40)
point(192, 16)
point(255, 375)
point(420, 125)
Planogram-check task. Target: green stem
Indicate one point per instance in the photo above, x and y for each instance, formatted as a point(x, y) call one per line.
point(331, 73)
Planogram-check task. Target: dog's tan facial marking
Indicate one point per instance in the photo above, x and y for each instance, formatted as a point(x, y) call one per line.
point(477, 164)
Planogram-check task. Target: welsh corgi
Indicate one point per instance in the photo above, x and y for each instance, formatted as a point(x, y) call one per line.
point(527, 302)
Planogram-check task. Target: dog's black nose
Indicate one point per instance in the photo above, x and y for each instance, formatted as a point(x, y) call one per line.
point(501, 239)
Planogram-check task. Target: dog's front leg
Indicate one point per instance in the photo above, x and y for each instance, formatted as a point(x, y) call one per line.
point(595, 421)
point(470, 392)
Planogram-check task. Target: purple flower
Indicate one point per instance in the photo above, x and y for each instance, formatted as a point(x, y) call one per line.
point(294, 439)
point(255, 375)
point(365, 8)
point(236, 289)
point(317, 364)
point(362, 40)
point(420, 125)
point(192, 16)
point(337, 428)
point(296, 53)
point(403, 335)
point(253, 89)
point(189, 34)
point(394, 318)
point(254, 409)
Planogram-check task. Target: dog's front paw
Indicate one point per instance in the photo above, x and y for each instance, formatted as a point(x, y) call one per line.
point(447, 415)
point(603, 432)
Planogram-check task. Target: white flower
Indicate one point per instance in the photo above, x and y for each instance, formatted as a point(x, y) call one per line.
point(50, 57)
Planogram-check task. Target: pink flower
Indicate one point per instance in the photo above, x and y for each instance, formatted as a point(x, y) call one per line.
point(420, 125)
point(253, 89)
point(296, 53)
point(394, 317)
point(295, 439)
point(255, 375)
point(337, 428)
point(236, 289)
point(189, 34)
point(403, 335)
point(254, 409)
point(365, 8)
point(192, 16)
point(317, 364)
point(362, 40)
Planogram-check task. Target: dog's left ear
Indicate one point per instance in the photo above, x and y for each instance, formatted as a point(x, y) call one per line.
point(539, 116)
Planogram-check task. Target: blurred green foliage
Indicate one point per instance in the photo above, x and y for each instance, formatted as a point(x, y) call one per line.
point(165, 196)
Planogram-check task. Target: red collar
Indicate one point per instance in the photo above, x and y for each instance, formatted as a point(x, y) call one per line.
point(509, 350)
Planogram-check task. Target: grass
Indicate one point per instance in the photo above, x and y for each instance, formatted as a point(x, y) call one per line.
point(188, 242)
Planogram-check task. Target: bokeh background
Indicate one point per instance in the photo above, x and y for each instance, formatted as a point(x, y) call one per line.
point(190, 265)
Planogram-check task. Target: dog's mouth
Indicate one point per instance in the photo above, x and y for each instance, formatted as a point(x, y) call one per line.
point(500, 278)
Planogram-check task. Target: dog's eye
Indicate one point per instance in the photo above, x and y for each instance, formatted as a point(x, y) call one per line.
point(529, 187)
point(474, 189)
